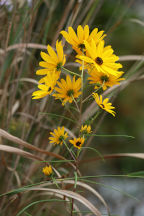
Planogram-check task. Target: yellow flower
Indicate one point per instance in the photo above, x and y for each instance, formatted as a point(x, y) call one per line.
point(101, 58)
point(68, 89)
point(104, 104)
point(77, 41)
point(47, 170)
point(58, 136)
point(104, 80)
point(77, 142)
point(48, 86)
point(86, 129)
point(52, 61)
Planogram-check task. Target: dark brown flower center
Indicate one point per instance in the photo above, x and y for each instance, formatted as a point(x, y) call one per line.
point(99, 61)
point(102, 105)
point(70, 92)
point(104, 78)
point(81, 46)
point(61, 138)
point(49, 89)
point(59, 65)
point(78, 143)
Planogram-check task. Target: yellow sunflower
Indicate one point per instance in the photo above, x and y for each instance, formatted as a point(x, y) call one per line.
point(52, 61)
point(48, 86)
point(68, 89)
point(47, 170)
point(104, 104)
point(58, 136)
point(104, 80)
point(77, 142)
point(86, 129)
point(77, 41)
point(101, 58)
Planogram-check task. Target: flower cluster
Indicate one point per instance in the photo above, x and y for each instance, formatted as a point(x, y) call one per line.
point(98, 60)
point(59, 136)
point(97, 65)
point(66, 90)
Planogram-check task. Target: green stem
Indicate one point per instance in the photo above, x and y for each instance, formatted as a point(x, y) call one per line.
point(82, 92)
point(93, 92)
point(78, 152)
point(69, 150)
point(54, 181)
point(96, 115)
point(82, 75)
point(70, 71)
point(76, 104)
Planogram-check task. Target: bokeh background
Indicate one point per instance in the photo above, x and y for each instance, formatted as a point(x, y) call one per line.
point(26, 27)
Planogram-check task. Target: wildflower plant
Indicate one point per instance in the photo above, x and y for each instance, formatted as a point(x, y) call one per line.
point(96, 60)
point(98, 68)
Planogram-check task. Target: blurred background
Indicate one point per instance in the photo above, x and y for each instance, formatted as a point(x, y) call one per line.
point(26, 27)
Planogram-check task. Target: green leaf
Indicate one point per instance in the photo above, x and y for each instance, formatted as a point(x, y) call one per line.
point(139, 173)
point(56, 115)
point(107, 135)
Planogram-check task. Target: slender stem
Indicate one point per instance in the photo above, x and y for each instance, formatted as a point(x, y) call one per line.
point(68, 109)
point(78, 152)
point(72, 207)
point(73, 73)
point(82, 75)
point(97, 114)
point(93, 92)
point(54, 181)
point(76, 104)
point(82, 91)
point(69, 150)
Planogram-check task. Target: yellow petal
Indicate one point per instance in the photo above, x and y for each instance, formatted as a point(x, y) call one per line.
point(86, 32)
point(46, 65)
point(46, 58)
point(80, 33)
point(42, 71)
point(59, 49)
point(52, 53)
point(73, 34)
point(93, 33)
